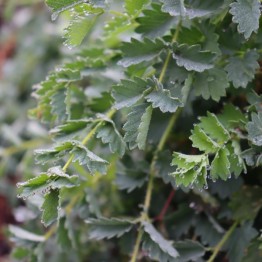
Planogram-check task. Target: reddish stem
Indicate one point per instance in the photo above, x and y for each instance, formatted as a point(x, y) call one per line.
point(161, 215)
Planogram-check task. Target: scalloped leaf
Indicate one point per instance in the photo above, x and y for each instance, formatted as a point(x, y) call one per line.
point(93, 162)
point(156, 246)
point(130, 181)
point(212, 126)
point(211, 84)
point(241, 70)
point(132, 124)
point(193, 9)
point(71, 129)
point(136, 52)
point(246, 14)
point(190, 169)
point(101, 228)
point(202, 141)
point(55, 178)
point(78, 29)
point(110, 135)
point(144, 127)
point(60, 6)
point(63, 239)
point(254, 129)
point(220, 166)
point(50, 207)
point(155, 23)
point(162, 99)
point(128, 92)
point(192, 58)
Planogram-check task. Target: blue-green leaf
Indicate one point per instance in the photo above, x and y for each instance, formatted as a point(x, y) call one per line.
point(101, 228)
point(136, 52)
point(246, 14)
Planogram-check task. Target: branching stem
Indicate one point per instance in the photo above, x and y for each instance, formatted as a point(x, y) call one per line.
point(88, 137)
point(150, 185)
point(73, 201)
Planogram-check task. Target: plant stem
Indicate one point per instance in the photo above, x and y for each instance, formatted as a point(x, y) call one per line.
point(88, 137)
point(166, 205)
point(153, 163)
point(138, 241)
point(73, 201)
point(150, 185)
point(222, 242)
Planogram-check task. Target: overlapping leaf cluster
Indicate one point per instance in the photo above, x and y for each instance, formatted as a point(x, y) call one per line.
point(147, 92)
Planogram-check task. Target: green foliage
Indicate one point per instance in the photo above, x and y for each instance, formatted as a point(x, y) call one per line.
point(157, 247)
point(246, 14)
point(137, 51)
point(108, 228)
point(192, 58)
point(123, 105)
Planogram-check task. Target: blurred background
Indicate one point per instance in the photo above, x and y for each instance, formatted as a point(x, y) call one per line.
point(29, 44)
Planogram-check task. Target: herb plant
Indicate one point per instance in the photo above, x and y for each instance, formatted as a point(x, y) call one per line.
point(156, 128)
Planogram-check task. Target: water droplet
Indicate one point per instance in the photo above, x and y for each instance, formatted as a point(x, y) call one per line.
point(208, 167)
point(196, 167)
point(229, 176)
point(205, 186)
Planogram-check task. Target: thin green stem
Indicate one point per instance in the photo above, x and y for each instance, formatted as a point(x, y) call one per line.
point(73, 201)
point(150, 185)
point(222, 242)
point(88, 137)
point(137, 244)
